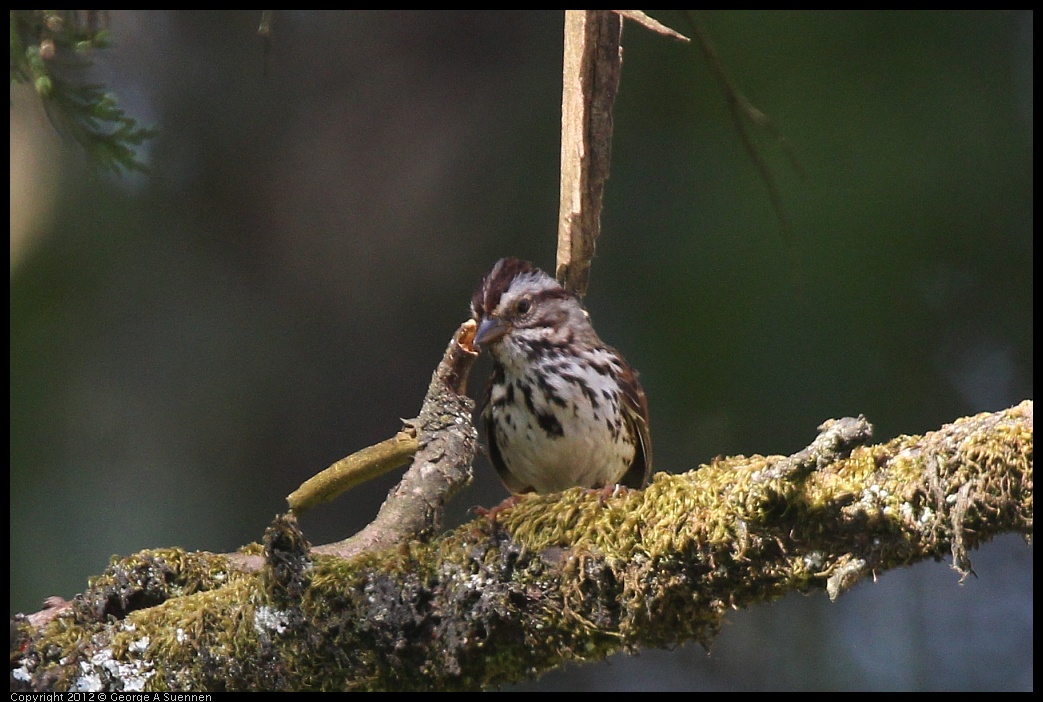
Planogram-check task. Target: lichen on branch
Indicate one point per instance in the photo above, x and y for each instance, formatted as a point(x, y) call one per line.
point(553, 578)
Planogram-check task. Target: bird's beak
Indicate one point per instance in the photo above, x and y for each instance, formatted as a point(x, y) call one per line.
point(489, 330)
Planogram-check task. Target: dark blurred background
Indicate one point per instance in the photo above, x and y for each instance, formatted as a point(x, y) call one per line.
point(189, 346)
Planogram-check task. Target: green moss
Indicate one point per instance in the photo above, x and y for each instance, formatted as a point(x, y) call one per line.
point(568, 577)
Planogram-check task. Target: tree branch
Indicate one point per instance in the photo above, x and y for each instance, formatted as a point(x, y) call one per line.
point(572, 576)
point(446, 445)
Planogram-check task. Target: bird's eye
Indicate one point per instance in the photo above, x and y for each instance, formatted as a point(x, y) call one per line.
point(523, 305)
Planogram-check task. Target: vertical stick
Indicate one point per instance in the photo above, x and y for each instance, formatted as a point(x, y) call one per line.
point(590, 79)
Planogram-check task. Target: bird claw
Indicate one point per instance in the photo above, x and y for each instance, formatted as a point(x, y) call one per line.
point(492, 514)
point(608, 492)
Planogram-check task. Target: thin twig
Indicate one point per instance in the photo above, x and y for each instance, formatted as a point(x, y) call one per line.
point(741, 107)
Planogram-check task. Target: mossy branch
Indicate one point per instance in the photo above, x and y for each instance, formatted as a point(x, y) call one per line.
point(573, 576)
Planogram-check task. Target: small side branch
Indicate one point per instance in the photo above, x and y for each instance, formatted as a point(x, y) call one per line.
point(446, 446)
point(358, 468)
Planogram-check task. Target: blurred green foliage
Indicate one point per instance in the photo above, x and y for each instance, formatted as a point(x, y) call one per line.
point(49, 48)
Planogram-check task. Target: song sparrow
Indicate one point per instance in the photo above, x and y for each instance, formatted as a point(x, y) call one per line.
point(562, 408)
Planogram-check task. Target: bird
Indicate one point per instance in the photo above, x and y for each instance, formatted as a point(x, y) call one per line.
point(562, 408)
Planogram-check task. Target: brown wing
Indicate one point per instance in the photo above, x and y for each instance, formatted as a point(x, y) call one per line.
point(506, 476)
point(635, 413)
